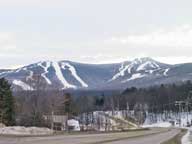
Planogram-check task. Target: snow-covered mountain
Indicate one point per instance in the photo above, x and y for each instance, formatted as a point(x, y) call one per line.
point(140, 72)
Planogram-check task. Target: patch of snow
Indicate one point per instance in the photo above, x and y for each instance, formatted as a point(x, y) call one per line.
point(25, 131)
point(147, 64)
point(173, 117)
point(23, 85)
point(143, 66)
point(185, 139)
point(122, 71)
point(129, 69)
point(140, 60)
point(48, 64)
point(61, 77)
point(166, 71)
point(17, 70)
point(156, 65)
point(134, 76)
point(30, 77)
point(159, 124)
point(150, 71)
point(122, 66)
point(74, 73)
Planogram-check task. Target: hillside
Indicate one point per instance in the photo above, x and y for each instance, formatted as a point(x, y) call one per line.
point(60, 75)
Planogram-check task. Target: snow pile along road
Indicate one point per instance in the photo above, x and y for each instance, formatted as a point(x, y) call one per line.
point(160, 124)
point(185, 139)
point(30, 131)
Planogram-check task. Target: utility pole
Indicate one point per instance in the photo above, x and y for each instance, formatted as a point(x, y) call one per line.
point(127, 114)
point(52, 120)
point(187, 103)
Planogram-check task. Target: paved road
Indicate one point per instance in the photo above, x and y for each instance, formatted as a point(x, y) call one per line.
point(91, 139)
point(153, 139)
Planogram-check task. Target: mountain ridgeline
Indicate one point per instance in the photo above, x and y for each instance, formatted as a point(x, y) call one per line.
point(68, 75)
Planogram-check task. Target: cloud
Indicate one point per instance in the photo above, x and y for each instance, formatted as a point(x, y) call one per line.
point(7, 41)
point(174, 60)
point(34, 3)
point(176, 37)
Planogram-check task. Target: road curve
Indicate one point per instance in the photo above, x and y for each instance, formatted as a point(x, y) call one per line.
point(151, 139)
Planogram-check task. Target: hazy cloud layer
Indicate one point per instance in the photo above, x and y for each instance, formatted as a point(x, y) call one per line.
point(179, 37)
point(94, 31)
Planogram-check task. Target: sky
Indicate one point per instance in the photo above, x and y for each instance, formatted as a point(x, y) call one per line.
point(94, 31)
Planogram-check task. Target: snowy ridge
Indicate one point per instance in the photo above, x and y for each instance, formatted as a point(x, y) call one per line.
point(146, 65)
point(122, 71)
point(74, 73)
point(48, 64)
point(139, 64)
point(23, 85)
point(61, 77)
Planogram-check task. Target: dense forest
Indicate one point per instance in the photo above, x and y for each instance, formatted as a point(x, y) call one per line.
point(32, 105)
point(161, 97)
point(29, 107)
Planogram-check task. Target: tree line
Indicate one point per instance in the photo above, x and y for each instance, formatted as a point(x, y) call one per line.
point(28, 108)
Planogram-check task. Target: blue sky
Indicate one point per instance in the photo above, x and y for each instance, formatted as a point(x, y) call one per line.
point(94, 31)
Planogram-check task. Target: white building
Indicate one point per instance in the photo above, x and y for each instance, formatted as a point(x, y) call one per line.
point(73, 125)
point(58, 122)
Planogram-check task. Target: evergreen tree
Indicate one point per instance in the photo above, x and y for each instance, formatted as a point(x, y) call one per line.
point(7, 114)
point(67, 104)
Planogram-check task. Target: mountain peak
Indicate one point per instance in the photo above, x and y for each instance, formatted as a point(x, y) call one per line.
point(144, 59)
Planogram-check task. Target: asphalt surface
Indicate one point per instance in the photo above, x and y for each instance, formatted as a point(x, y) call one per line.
point(114, 138)
point(152, 139)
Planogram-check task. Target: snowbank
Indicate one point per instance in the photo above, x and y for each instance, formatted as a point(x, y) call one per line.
point(169, 117)
point(160, 124)
point(185, 139)
point(18, 130)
